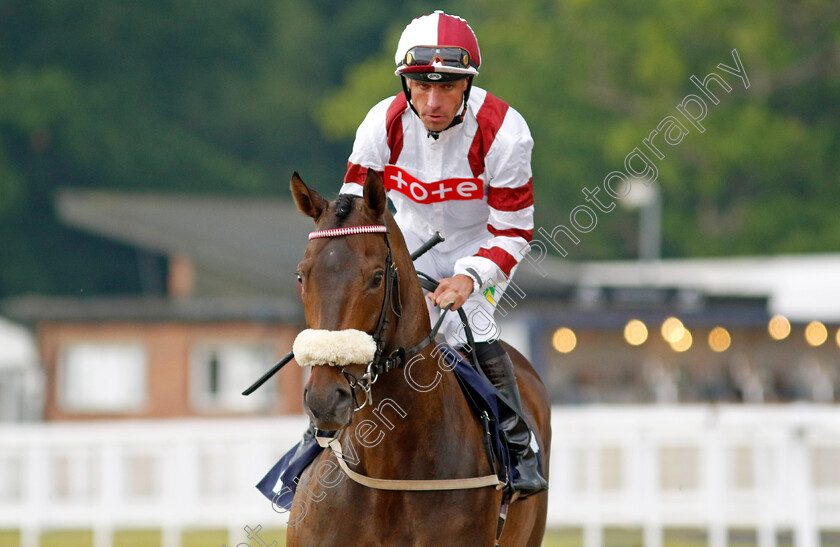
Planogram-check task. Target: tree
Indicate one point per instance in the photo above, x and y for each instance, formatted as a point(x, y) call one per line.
point(594, 78)
point(184, 96)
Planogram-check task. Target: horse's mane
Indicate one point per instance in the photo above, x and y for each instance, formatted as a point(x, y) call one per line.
point(343, 206)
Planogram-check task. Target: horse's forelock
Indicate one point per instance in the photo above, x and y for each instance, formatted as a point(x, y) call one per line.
point(344, 206)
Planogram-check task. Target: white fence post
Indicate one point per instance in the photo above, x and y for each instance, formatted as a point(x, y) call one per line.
point(765, 481)
point(649, 485)
point(35, 483)
point(802, 506)
point(714, 471)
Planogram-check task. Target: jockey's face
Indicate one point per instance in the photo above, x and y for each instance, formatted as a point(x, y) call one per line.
point(437, 103)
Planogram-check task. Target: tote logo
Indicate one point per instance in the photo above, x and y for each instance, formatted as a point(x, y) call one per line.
point(432, 192)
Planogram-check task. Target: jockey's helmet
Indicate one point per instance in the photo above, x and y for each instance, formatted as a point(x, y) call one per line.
point(437, 48)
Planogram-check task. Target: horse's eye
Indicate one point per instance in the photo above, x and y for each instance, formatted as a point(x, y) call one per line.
point(299, 277)
point(377, 279)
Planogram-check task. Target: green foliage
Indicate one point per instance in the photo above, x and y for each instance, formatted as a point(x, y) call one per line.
point(594, 78)
point(233, 96)
point(184, 96)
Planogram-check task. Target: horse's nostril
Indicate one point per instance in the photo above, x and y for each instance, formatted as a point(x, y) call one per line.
point(330, 408)
point(343, 398)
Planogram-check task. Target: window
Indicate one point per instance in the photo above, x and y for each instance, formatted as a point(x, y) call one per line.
point(103, 377)
point(221, 371)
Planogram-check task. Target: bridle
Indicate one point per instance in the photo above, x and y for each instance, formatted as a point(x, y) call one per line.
point(381, 362)
point(391, 299)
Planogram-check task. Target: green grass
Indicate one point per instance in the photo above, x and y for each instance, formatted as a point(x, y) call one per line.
point(9, 538)
point(567, 537)
point(66, 538)
point(137, 538)
point(562, 538)
point(613, 537)
point(268, 535)
point(204, 538)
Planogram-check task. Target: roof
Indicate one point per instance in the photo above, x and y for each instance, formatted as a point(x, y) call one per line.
point(260, 240)
point(800, 287)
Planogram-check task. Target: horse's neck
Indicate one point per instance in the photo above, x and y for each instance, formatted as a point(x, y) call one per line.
point(413, 324)
point(418, 410)
point(417, 414)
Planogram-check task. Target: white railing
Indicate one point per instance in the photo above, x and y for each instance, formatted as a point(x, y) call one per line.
point(767, 469)
point(771, 469)
point(169, 475)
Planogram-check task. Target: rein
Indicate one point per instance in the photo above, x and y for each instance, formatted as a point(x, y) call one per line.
point(396, 359)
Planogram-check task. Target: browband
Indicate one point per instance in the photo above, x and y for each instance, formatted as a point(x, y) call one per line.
point(350, 230)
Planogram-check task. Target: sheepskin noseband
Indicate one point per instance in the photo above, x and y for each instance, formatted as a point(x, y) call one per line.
point(338, 348)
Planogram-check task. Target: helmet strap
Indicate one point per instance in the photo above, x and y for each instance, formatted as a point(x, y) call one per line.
point(407, 93)
point(455, 121)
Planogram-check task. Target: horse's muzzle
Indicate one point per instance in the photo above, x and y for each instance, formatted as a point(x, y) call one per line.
point(330, 405)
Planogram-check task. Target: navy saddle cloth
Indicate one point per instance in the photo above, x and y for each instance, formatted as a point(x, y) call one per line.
point(280, 482)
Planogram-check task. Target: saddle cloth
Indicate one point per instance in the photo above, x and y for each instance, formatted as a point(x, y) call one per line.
point(280, 483)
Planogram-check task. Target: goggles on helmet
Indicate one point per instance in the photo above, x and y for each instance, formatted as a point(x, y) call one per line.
point(454, 57)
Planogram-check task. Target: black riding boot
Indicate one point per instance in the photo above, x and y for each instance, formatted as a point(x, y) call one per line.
point(496, 364)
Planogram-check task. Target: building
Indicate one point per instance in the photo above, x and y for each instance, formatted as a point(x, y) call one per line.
point(750, 329)
point(218, 308)
point(219, 305)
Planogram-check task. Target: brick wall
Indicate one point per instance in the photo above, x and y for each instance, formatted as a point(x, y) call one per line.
point(168, 347)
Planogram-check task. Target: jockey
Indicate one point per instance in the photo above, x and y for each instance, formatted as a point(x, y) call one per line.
point(456, 159)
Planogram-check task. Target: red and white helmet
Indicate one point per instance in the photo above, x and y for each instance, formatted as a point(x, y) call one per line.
point(437, 48)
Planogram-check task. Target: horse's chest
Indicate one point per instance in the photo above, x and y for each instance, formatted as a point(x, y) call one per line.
point(363, 516)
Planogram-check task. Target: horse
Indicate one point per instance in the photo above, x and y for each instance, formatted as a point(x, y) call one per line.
point(414, 424)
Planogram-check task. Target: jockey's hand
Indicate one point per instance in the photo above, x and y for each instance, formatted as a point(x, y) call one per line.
point(453, 290)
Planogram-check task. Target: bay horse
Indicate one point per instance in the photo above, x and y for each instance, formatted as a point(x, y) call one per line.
point(418, 425)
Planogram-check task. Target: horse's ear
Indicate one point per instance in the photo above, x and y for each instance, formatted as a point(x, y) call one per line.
point(309, 202)
point(375, 193)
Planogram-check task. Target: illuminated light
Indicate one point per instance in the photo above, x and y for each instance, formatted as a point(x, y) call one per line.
point(564, 340)
point(778, 327)
point(672, 330)
point(719, 339)
point(635, 332)
point(683, 343)
point(815, 333)
point(837, 338)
